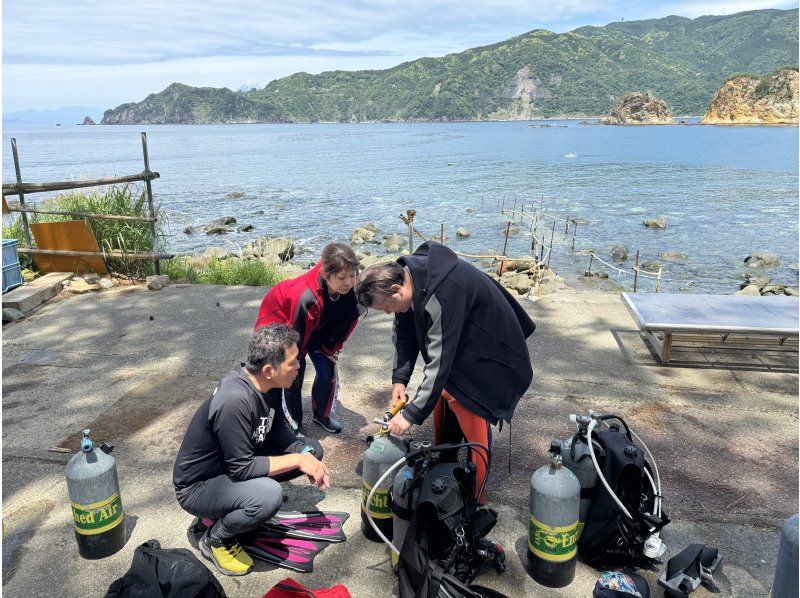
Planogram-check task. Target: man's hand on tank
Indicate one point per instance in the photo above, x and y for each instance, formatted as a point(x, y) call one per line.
point(398, 393)
point(399, 425)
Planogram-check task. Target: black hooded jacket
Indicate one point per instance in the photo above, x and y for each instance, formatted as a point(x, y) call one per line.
point(471, 334)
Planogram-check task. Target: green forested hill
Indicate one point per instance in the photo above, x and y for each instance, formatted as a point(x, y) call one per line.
point(538, 74)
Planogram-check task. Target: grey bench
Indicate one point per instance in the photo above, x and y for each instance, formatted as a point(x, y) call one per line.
point(767, 322)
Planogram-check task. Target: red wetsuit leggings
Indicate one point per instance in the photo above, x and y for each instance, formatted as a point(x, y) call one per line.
point(473, 428)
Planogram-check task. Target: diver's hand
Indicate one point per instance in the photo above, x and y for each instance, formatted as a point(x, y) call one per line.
point(316, 470)
point(398, 393)
point(399, 425)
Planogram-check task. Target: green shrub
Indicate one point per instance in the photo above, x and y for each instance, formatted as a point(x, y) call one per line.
point(121, 235)
point(231, 271)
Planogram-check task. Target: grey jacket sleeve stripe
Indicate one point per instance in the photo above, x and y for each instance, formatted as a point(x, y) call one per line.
point(426, 396)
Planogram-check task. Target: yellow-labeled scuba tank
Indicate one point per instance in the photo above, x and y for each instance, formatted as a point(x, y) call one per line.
point(93, 489)
point(383, 451)
point(553, 527)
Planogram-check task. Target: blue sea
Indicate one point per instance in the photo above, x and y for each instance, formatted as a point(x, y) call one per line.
point(725, 191)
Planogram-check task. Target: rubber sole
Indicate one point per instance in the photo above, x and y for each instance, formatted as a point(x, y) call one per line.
point(324, 427)
point(205, 550)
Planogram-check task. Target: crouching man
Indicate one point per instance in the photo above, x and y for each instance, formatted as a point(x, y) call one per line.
point(238, 447)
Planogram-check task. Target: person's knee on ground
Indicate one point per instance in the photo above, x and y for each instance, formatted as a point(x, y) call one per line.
point(260, 500)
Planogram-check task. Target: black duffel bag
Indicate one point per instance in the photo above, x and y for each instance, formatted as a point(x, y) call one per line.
point(165, 573)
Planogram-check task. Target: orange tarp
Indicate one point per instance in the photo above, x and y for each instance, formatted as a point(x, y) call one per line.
point(73, 235)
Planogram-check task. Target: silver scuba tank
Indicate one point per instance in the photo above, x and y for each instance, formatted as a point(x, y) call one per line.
point(553, 527)
point(785, 581)
point(93, 489)
point(383, 452)
point(575, 457)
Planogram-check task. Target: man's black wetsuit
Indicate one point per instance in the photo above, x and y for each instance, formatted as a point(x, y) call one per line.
point(223, 465)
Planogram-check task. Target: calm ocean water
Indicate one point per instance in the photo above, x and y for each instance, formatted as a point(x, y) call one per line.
point(725, 191)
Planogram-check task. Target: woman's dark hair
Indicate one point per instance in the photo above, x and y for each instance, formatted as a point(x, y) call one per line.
point(338, 257)
point(377, 281)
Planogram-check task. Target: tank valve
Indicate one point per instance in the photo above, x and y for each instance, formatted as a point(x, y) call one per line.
point(86, 444)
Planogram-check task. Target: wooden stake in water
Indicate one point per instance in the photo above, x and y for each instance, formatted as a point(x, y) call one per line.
point(635, 270)
point(550, 253)
point(505, 245)
point(442, 235)
point(591, 259)
point(574, 232)
point(566, 226)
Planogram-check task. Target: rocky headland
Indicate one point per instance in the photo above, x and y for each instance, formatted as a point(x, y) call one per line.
point(639, 109)
point(750, 100)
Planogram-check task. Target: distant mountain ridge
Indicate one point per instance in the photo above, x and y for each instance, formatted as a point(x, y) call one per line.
point(539, 74)
point(67, 115)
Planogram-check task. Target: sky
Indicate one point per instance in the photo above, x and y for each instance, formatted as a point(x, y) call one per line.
point(102, 54)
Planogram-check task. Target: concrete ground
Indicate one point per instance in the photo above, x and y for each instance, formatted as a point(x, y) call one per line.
point(133, 365)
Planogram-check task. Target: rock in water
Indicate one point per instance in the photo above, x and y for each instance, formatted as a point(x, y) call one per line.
point(752, 100)
point(660, 222)
point(619, 252)
point(673, 256)
point(763, 259)
point(750, 291)
point(638, 109)
point(88, 121)
point(462, 233)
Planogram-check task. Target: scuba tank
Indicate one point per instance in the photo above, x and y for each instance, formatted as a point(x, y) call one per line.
point(383, 451)
point(575, 457)
point(93, 490)
point(404, 500)
point(553, 527)
point(785, 580)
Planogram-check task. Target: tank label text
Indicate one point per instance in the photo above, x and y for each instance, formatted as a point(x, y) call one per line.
point(554, 544)
point(380, 507)
point(98, 517)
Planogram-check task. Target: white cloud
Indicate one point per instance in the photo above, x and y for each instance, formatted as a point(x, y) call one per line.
point(91, 53)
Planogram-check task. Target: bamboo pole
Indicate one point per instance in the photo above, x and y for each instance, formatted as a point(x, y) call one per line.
point(566, 226)
point(149, 187)
point(19, 186)
point(21, 192)
point(15, 208)
point(113, 253)
point(636, 271)
point(591, 259)
point(550, 253)
point(442, 235)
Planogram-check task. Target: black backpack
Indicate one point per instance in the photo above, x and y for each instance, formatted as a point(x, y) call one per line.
point(438, 557)
point(609, 537)
point(165, 573)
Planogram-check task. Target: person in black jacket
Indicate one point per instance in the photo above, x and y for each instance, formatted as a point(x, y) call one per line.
point(471, 334)
point(238, 447)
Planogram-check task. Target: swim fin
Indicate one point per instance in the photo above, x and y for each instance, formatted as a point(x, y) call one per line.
point(308, 525)
point(290, 553)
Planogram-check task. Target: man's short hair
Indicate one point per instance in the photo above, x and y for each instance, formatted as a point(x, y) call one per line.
point(268, 346)
point(377, 281)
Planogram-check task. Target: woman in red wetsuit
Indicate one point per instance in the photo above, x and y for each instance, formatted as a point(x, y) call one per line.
point(321, 306)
